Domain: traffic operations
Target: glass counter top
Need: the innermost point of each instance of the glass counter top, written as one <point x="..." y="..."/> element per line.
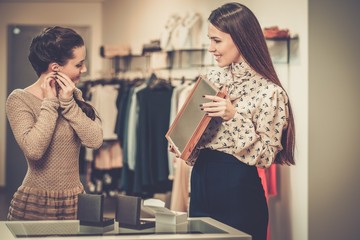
<point x="73" y="228"/>
<point x="194" y="228"/>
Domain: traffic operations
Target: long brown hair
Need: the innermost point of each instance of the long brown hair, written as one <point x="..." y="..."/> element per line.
<point x="56" y="44"/>
<point x="244" y="28"/>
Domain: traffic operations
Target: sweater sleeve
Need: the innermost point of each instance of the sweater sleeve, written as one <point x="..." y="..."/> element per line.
<point x="257" y="136"/>
<point x="32" y="134"/>
<point x="89" y="132"/>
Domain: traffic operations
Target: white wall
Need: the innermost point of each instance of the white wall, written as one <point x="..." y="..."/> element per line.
<point x="138" y="21"/>
<point x="334" y="117"/>
<point x="75" y="14"/>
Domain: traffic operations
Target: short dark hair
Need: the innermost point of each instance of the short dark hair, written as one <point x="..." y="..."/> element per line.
<point x="56" y="44"/>
<point x="53" y="44"/>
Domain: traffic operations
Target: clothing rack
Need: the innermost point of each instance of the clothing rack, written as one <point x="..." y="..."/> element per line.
<point x="103" y="81"/>
<point x="183" y="79"/>
<point x="124" y="178"/>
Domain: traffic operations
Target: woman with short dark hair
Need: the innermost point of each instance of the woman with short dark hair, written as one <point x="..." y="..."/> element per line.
<point x="50" y="121"/>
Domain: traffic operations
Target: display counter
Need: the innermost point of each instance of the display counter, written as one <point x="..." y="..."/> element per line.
<point x="194" y="228"/>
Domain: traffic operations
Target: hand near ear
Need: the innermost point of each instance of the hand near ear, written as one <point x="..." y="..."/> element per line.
<point x="48" y="86"/>
<point x="67" y="86"/>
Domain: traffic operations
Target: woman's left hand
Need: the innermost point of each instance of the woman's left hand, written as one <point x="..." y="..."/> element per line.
<point x="219" y="107"/>
<point x="67" y="86"/>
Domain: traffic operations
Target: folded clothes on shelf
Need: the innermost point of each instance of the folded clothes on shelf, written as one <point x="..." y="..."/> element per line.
<point x="115" y="50"/>
<point x="275" y="32"/>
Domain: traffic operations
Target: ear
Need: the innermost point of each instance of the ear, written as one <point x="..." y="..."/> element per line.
<point x="55" y="67"/>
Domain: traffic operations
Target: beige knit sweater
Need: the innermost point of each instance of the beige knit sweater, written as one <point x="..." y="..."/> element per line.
<point x="50" y="133"/>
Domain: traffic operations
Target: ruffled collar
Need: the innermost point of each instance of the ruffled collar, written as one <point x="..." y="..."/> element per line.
<point x="239" y="73"/>
<point x="241" y="70"/>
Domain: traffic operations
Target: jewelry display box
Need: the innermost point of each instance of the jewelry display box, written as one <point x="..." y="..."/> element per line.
<point x="191" y="122"/>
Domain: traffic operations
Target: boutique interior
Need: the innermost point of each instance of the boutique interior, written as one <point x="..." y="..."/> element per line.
<point x="164" y="43"/>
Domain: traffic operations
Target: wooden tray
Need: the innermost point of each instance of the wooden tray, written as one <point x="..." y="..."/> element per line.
<point x="191" y="122"/>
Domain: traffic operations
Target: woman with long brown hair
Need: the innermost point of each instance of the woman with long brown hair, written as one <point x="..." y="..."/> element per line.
<point x="253" y="127"/>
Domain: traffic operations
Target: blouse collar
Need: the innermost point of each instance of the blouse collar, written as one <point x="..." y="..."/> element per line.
<point x="241" y="69"/>
<point x="240" y="72"/>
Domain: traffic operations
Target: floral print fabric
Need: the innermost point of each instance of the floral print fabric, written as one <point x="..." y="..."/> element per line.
<point x="253" y="135"/>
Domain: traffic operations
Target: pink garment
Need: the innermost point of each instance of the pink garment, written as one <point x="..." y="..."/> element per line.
<point x="180" y="191"/>
<point x="181" y="183"/>
<point x="109" y="156"/>
<point x="268" y="180"/>
<point x="102" y="160"/>
<point x="116" y="155"/>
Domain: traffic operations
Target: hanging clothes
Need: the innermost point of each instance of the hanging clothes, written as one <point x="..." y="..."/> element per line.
<point x="107" y="166"/>
<point x="121" y="104"/>
<point x="269" y="182"/>
<point x="132" y="127"/>
<point x="106" y="95"/>
<point x="129" y="139"/>
<point x="181" y="184"/>
<point x="151" y="166"/>
<point x="268" y="179"/>
<point x="174" y="109"/>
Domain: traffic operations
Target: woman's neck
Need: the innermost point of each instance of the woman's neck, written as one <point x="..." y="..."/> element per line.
<point x="35" y="88"/>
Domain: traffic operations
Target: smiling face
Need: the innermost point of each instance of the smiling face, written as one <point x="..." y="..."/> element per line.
<point x="223" y="47"/>
<point x="75" y="66"/>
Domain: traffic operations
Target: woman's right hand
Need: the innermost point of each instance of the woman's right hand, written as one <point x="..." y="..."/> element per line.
<point x="48" y="86"/>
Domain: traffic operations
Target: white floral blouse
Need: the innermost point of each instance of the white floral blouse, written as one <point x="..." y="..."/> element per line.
<point x="253" y="135"/>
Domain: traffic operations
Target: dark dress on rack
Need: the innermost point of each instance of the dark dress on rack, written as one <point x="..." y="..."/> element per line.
<point x="151" y="167"/>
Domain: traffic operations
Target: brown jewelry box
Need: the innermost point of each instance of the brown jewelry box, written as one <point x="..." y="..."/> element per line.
<point x="191" y="122"/>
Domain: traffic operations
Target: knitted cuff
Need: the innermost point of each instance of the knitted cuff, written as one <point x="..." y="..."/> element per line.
<point x="65" y="102"/>
<point x="49" y="103"/>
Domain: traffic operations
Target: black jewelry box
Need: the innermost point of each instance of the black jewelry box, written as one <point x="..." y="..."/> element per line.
<point x="90" y="211"/>
<point x="128" y="211"/>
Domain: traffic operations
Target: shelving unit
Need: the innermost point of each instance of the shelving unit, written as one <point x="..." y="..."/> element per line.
<point x="124" y="63"/>
<point x="288" y="41"/>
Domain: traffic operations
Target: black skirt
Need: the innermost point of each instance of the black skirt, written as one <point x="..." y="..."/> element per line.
<point x="224" y="188"/>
